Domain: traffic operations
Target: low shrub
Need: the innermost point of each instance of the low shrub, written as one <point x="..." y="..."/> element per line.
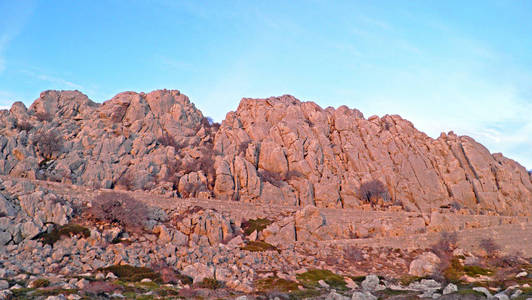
<point x="275" y="284"/>
<point x="259" y="246"/>
<point x="63" y="231"/>
<point x="41" y="282"/>
<point x="258" y="224"/>
<point x="313" y="276"/>
<point x="114" y="207"/>
<point x="210" y="283"/>
<point x="490" y="247"/>
<point x="373" y="191"/>
<point x="132" y="273"/>
<point x="48" y="143"/>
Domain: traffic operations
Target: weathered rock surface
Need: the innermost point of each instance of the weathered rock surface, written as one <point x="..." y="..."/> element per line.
<point x="133" y="141"/>
<point x="424" y="265"/>
<point x="274" y="151"/>
<point x="303" y="154"/>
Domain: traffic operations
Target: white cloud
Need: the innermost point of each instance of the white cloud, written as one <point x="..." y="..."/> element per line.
<point x="60" y="82"/>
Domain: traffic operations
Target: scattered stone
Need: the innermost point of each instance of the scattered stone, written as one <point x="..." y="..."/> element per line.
<point x="4" y="285"/>
<point x="323" y="284"/>
<point x="516" y="294"/>
<point x="372" y="283"/>
<point x="483" y="290"/>
<point x="450" y="288"/>
<point x="363" y="296"/>
<point x="333" y="295"/>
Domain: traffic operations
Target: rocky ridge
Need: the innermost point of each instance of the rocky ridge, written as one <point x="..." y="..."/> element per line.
<point x="273" y="151"/>
<point x="323" y="156"/>
<point x="283" y="200"/>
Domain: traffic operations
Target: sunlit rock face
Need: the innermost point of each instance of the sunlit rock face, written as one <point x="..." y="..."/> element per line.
<point x="273" y="151"/>
<point x="323" y="156"/>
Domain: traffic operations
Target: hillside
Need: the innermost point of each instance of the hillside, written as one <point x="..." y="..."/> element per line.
<point x="273" y="151"/>
<point x="142" y="197"/>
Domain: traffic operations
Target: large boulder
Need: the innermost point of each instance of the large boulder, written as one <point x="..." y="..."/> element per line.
<point x="425" y="264"/>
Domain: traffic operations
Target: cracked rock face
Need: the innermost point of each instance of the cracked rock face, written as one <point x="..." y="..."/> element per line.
<point x="322" y="157"/>
<point x="133" y="141"/>
<point x="271" y="151"/>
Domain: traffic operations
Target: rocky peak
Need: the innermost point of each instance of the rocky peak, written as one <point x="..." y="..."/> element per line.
<point x="61" y="104"/>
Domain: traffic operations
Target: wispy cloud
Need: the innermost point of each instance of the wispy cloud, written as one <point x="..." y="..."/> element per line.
<point x="13" y="17"/>
<point x="60" y="82"/>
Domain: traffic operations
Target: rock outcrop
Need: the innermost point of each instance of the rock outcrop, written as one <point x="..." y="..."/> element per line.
<point x="282" y="150"/>
<point x="133" y="141"/>
<point x="273" y="151"/>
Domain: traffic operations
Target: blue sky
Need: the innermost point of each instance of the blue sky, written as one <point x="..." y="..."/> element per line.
<point x="444" y="65"/>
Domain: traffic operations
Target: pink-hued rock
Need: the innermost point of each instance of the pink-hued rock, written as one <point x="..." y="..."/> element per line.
<point x="322" y="156"/>
<point x="272" y="151"/>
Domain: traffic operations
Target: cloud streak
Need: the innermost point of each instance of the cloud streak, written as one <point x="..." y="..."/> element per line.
<point x="53" y="79"/>
<point x="14" y="16"/>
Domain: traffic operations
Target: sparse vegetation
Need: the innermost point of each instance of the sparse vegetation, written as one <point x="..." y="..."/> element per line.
<point x="132" y="273"/>
<point x="374" y="192"/>
<point x="258" y="224"/>
<point x="63" y="231"/>
<point x="48" y="143"/>
<point x="275" y="284"/>
<point x="490" y="247"/>
<point x="311" y="278"/>
<point x="258" y="246"/>
<point x="449" y="267"/>
<point x="476" y="271"/>
<point x="41" y="282"/>
<point x="114" y="207"/>
<point x="210" y="283"/>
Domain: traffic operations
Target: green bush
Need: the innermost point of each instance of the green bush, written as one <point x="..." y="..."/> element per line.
<point x="255" y="224"/>
<point x="132" y="273"/>
<point x="312" y="276"/>
<point x="258" y="246"/>
<point x="275" y="284"/>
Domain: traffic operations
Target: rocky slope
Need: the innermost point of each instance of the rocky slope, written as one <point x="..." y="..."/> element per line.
<point x="133" y="141"/>
<point x="322" y="157"/>
<point x="272" y="151"/>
